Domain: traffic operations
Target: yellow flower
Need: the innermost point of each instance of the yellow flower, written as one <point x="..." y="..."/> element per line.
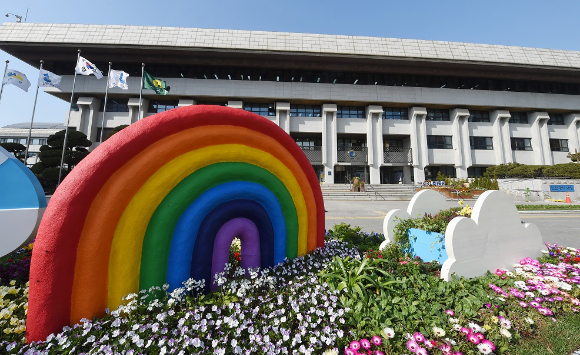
<point x="494" y="319"/>
<point x="12" y="282"/>
<point x="461" y="202"/>
<point x="20" y="329"/>
<point x="7" y="330"/>
<point x="487" y="327"/>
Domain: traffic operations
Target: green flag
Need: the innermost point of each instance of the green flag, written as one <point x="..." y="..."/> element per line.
<point x="159" y="86"/>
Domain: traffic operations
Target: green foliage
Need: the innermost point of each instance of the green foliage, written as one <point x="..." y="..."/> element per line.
<point x="516" y="170"/>
<point x="15" y="148"/>
<point x="47" y="169"/>
<point x="355" y="238"/>
<point x="437" y="223"/>
<point x="546" y="207"/>
<point x="440" y="177"/>
<point x="484" y="183"/>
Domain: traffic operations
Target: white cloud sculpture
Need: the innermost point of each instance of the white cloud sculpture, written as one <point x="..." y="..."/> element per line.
<point x="493" y="238"/>
<point x="424" y="201"/>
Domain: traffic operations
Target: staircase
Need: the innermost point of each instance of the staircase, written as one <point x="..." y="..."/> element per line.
<point x="393" y="192"/>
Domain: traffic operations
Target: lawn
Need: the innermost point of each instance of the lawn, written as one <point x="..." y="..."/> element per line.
<point x="345" y="298"/>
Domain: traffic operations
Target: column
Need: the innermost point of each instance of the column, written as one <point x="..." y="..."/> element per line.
<point x="185" y="102"/>
<point x="375" y="142"/>
<point x="501" y="136"/>
<point x="461" y="145"/>
<point x="571" y="121"/>
<point x="329" y="141"/>
<point x="89" y="107"/>
<point x="419" y="142"/>
<point x="236" y="104"/>
<point x="283" y="116"/>
<point x="134" y="113"/>
<point x="540" y="138"/>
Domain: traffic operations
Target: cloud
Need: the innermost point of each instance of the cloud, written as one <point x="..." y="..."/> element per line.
<point x="424" y="201"/>
<point x="492" y="238"/>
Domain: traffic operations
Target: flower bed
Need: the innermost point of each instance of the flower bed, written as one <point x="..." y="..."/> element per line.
<point x="337" y="299"/>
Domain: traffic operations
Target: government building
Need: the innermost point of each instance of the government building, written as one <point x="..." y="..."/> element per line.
<point x="385" y="109"/>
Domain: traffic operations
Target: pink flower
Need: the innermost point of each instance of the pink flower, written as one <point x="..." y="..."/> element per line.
<point x="412" y="345"/>
<point x="523" y="304"/>
<point x="488" y="343"/>
<point x="480" y="336"/>
<point x="365" y="343"/>
<point x="473" y="338"/>
<point x="445" y="348"/>
<point x="545" y="311"/>
<point x="421" y="351"/>
<point x="498" y="272"/>
<point x="376" y="340"/>
<point x="450" y="312"/>
<point x="379" y="353"/>
<point x="464" y="330"/>
<point x="419" y="338"/>
<point x="355" y="345"/>
<point x="348" y="351"/>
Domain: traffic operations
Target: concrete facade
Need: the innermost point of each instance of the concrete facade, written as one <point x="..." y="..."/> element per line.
<point x="378" y="149"/>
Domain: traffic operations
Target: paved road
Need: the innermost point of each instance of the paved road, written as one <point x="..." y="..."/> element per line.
<point x="557" y="227"/>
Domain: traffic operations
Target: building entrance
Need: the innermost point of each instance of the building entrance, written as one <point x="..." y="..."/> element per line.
<point x="343" y="174"/>
<point x="392" y="175"/>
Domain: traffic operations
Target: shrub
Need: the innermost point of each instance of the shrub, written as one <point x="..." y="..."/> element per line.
<point x="516" y="170"/>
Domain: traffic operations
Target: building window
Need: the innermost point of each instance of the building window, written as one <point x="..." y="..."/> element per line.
<point x="431" y="172"/>
<point x="478" y="116"/>
<point x="521" y="143"/>
<point x="212" y="103"/>
<point x="484" y="143"/>
<point x="161" y="106"/>
<point x="519" y="117"/>
<point x="349" y="143"/>
<point x="38" y="141"/>
<point x="13" y="140"/>
<point x="437" y="115"/>
<point x="115" y="105"/>
<point x="74" y="106"/>
<point x="308" y="143"/>
<point x="556" y="119"/>
<point x="395" y="113"/>
<point x="305" y="110"/>
<point x="350" y="112"/>
<point x="559" y="145"/>
<point x="439" y="142"/>
<point x="261" y="109"/>
<point x="476" y="171"/>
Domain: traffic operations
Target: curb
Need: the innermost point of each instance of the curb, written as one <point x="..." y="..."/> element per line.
<point x="550" y="212"/>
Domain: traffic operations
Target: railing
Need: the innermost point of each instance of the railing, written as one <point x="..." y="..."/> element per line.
<point x="314" y="154"/>
<point x="397" y="155"/>
<point x="353" y="155"/>
<point x="377" y="194"/>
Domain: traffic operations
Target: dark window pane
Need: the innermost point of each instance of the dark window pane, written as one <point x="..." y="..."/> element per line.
<point x="556" y="119"/>
<point x="439" y="142"/>
<point x="350" y="112"/>
<point x="559" y="145"/>
<point x="305" y="110"/>
<point x="483" y="143"/>
<point x="478" y="116"/>
<point x="521" y="144"/>
<point x="519" y="117"/>
<point x="395" y="113"/>
<point x="261" y="109"/>
<point x="437" y="115"/>
<point x="161" y="106"/>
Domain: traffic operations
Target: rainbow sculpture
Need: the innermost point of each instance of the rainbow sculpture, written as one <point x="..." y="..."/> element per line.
<point x="159" y="203"/>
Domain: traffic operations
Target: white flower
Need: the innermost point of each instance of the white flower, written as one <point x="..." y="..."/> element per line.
<point x="505" y="333"/>
<point x="438" y="331"/>
<point x="331" y="352"/>
<point x="388" y="333"/>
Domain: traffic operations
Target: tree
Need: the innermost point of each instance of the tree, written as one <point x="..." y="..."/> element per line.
<point x="15" y="148"/>
<point x="47" y="169"/>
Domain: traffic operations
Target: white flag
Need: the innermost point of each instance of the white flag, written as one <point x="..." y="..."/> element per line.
<point x="49" y="79"/>
<point x="17" y="78"/>
<point x="118" y="78"/>
<point x="84" y="67"/>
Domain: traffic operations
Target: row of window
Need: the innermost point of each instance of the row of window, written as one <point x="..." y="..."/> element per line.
<point x="486" y="143"/>
<point x="450" y="171"/>
<point x="33" y="141"/>
<point x="389" y="113"/>
<point x="330" y="77"/>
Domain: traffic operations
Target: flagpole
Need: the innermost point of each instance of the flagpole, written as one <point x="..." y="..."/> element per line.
<point x="33" y="111"/>
<point x="140" y="89"/>
<point x="72" y="95"/>
<point x="4" y="76"/>
<point x="105" y="106"/>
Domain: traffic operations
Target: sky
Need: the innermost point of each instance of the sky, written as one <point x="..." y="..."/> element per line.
<point x="528" y="23"/>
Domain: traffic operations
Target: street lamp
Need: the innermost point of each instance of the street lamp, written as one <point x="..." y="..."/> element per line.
<point x="18" y="17"/>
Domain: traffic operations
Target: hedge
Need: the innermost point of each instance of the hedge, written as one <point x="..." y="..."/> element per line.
<point x="517" y="170"/>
